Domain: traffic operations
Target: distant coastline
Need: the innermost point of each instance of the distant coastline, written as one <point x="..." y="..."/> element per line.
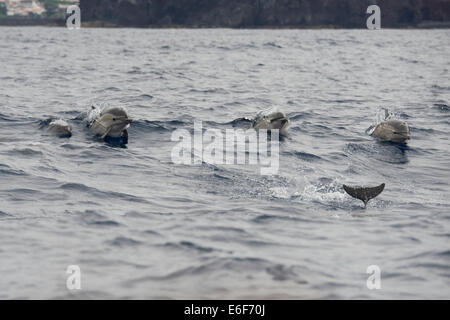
<point x="242" y="14"/>
<point x="19" y="21"/>
<point x="49" y="22"/>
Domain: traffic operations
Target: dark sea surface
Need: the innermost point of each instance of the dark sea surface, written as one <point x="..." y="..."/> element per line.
<point x="140" y="226"/>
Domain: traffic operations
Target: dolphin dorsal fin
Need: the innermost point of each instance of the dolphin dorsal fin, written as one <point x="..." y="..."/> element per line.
<point x="364" y="194"/>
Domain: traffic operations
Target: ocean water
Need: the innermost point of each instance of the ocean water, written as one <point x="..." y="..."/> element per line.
<point x="141" y="227"/>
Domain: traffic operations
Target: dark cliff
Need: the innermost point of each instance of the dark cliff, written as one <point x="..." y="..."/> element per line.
<point x="263" y="13"/>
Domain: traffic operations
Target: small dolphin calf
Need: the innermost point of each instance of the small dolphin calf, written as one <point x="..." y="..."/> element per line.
<point x="58" y="127"/>
<point x="110" y="122"/>
<point x="364" y="194"/>
<point x="393" y="130"/>
<point x="272" y="121"/>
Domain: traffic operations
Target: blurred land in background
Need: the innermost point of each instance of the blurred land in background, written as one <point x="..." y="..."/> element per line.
<point x="230" y="13"/>
<point x="34" y="12"/>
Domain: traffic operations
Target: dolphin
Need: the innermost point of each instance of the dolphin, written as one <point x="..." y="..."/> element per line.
<point x="57" y="127"/>
<point x="393" y="131"/>
<point x="272" y="121"/>
<point x="111" y="122"/>
<point x="364" y="194"/>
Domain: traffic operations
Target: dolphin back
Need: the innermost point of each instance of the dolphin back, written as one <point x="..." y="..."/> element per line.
<point x="364" y="194"/>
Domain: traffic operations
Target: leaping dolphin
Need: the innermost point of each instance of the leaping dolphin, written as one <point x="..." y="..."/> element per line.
<point x="364" y="194"/>
<point x="392" y="130"/>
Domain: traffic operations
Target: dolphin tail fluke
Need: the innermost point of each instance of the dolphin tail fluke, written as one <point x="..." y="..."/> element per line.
<point x="364" y="194"/>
